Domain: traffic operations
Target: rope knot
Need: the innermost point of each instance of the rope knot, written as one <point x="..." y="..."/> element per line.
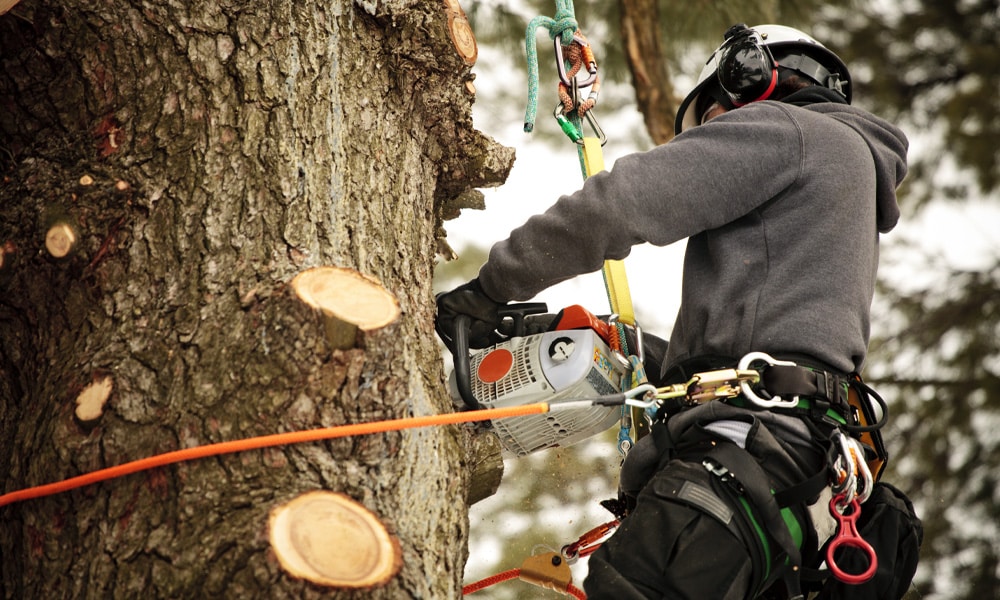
<point x="565" y="31"/>
<point x="564" y="28"/>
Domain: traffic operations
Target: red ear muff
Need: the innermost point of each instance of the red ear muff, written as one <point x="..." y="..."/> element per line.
<point x="747" y="71"/>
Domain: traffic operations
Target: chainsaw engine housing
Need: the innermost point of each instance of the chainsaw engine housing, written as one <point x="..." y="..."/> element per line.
<point x="547" y="367"/>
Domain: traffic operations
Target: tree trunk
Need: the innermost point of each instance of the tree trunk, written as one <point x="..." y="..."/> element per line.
<point x="654" y="93"/>
<point x="201" y="155"/>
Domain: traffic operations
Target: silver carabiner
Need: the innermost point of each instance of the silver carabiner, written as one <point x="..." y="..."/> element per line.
<point x="561" y="63"/>
<point x="860" y="481"/>
<point x="846" y="469"/>
<point x="774" y="402"/>
<point x="639" y="342"/>
<point x="868" y="481"/>
<point x="613" y="324"/>
<point x="647" y="391"/>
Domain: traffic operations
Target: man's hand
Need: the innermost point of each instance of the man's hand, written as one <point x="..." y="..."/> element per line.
<point x="470" y="300"/>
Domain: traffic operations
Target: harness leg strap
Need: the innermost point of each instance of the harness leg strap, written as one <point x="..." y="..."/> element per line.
<point x="756" y="485"/>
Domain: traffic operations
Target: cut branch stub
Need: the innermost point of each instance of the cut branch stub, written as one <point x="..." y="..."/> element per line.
<point x="461" y="32"/>
<point x="60" y="239"/>
<point x="485" y="460"/>
<point x="329" y="539"/>
<point x="349" y="301"/>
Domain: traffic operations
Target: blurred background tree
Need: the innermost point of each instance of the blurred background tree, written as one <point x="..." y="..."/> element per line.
<point x="933" y="67"/>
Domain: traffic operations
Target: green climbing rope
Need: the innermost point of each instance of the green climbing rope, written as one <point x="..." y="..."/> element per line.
<point x="562" y="25"/>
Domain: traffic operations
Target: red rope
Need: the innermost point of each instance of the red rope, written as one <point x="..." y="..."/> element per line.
<point x="491" y="580"/>
<point x="472" y="588"/>
<point x="277" y="439"/>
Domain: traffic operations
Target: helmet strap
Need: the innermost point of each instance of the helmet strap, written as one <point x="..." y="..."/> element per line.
<point x="809" y="67"/>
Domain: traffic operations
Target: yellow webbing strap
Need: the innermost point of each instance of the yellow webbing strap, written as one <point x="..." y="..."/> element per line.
<point x="616" y="283"/>
<point x="614" y="270"/>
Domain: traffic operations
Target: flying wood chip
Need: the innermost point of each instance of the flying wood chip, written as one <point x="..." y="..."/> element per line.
<point x="329" y="539"/>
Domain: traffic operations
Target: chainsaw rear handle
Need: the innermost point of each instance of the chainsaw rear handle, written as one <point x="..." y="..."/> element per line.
<point x="460" y="344"/>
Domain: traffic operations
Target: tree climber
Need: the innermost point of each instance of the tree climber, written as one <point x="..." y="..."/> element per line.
<point x="782" y="189"/>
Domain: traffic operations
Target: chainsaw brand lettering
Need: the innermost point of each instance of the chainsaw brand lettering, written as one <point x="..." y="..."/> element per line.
<point x="602" y="362"/>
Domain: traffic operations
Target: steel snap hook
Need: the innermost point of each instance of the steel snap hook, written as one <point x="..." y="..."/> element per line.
<point x="596" y="127"/>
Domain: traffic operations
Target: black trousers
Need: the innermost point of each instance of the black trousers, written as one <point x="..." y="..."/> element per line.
<point x="679" y="542"/>
<point x="703" y="533"/>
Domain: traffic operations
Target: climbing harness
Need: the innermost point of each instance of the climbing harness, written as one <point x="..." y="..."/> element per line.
<point x="760" y="380"/>
<point x="779" y="385"/>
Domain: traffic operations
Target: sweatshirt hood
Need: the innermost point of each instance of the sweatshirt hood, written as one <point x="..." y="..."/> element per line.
<point x="888" y="145"/>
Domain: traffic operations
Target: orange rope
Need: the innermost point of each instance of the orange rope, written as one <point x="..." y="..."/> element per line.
<point x="277" y="439"/>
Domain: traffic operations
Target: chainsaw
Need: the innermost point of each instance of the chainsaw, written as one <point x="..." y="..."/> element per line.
<point x="572" y="360"/>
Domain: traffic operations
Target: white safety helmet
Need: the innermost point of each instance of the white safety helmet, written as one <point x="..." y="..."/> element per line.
<point x="744" y="68"/>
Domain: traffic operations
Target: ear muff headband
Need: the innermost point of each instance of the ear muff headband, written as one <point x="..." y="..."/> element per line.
<point x="747" y="71"/>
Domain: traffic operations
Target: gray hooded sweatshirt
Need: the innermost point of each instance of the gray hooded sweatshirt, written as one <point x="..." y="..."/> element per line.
<point x="782" y="206"/>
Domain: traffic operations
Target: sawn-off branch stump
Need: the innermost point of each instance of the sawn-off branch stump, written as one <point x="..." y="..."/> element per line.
<point x="329" y="539"/>
<point x="461" y="32"/>
<point x="348" y="300"/>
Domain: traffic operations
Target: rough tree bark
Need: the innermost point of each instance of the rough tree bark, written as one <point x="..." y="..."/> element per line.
<point x="654" y="93"/>
<point x="205" y="153"/>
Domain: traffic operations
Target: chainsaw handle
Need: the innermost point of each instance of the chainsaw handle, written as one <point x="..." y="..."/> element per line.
<point x="460" y="356"/>
<point x="460" y="344"/>
<point x="517" y="313"/>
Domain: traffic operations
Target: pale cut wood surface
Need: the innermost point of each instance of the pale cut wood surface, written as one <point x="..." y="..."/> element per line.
<point x="347" y="295"/>
<point x="329" y="539"/>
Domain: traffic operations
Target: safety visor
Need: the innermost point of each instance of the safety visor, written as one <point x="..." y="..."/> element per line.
<point x="712" y="94"/>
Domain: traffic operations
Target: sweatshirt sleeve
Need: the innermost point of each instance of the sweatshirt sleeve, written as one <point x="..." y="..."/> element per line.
<point x="703" y="179"/>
